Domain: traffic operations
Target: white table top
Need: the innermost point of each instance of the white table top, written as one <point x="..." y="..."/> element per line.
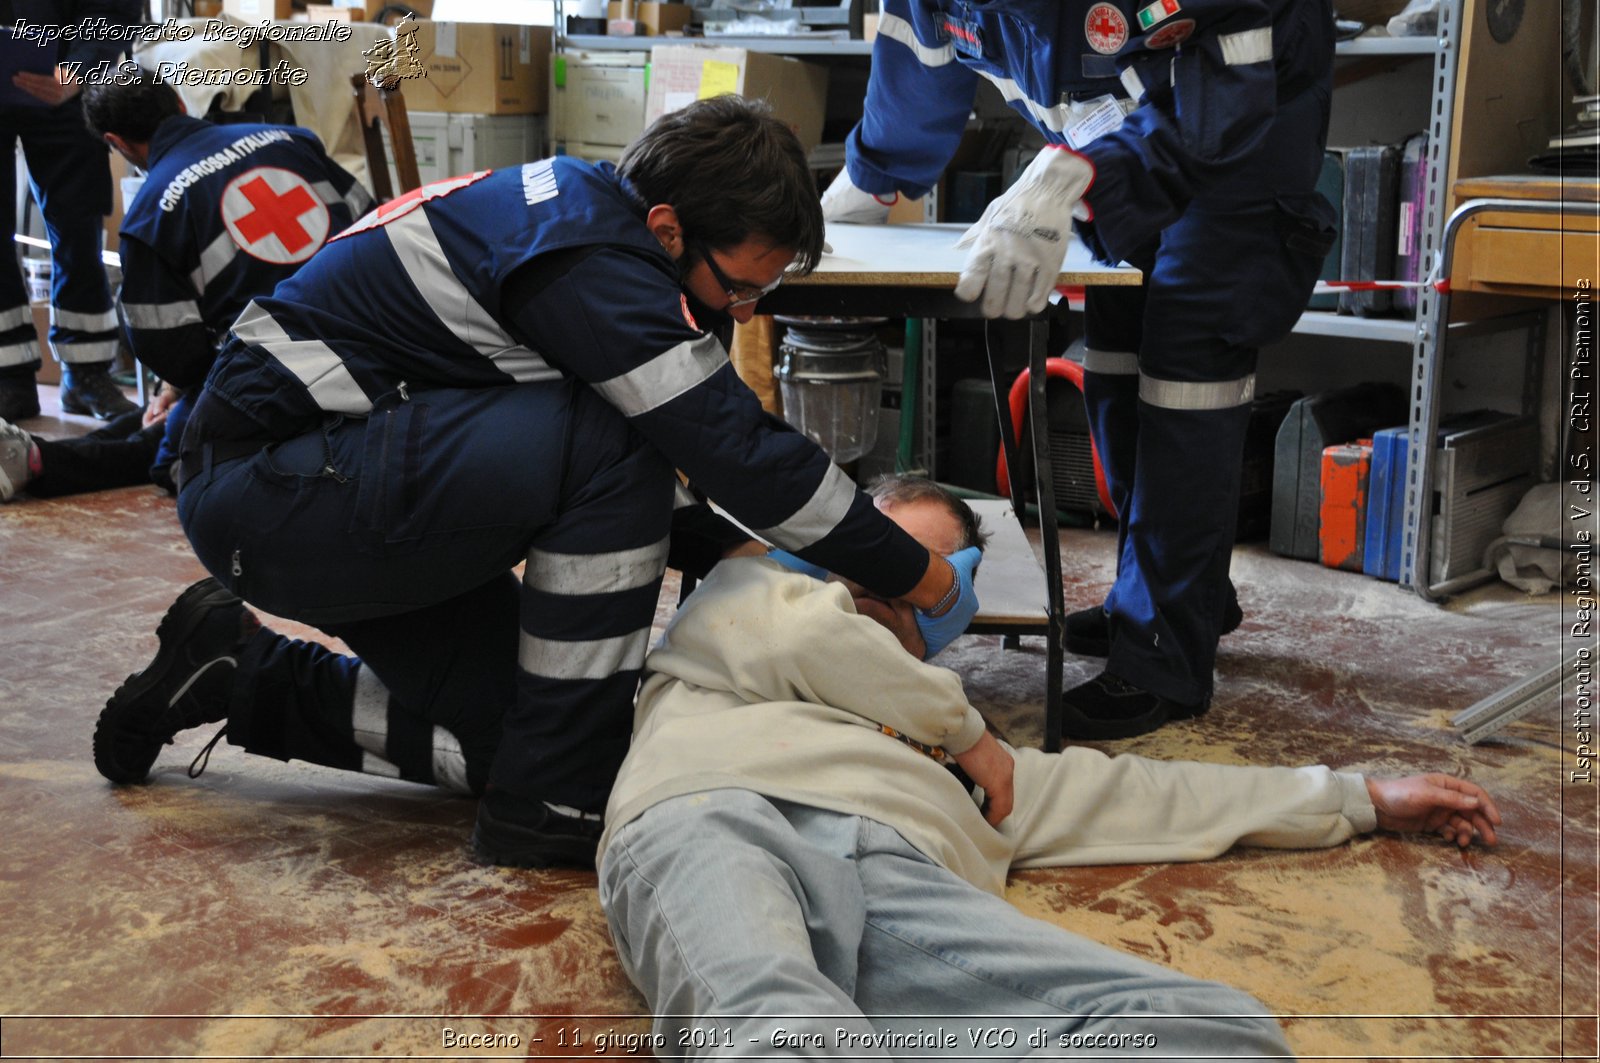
<point x="926" y="256"/>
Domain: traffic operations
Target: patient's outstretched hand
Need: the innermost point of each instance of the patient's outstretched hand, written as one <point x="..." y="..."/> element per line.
<point x="1454" y="809"/>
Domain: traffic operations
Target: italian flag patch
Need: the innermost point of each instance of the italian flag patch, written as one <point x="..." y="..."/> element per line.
<point x="1149" y="16"/>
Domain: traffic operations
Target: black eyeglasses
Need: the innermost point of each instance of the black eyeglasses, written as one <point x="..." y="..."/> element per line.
<point x="738" y="294"/>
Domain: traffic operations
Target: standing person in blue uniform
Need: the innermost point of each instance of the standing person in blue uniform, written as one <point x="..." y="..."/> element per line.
<point x="500" y="368"/>
<point x="1185" y="136"/>
<point x="225" y="213"/>
<point x="71" y="180"/>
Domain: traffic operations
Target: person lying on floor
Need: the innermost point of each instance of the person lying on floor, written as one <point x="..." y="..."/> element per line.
<point x="789" y="866"/>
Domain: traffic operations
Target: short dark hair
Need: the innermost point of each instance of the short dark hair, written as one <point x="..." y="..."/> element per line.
<point x="731" y="171"/>
<point x="900" y="488"/>
<point x="129" y="105"/>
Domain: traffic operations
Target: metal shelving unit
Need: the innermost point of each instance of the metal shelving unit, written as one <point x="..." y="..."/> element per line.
<point x="1424" y="341"/>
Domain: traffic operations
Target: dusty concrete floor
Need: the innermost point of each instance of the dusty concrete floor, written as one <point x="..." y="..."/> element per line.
<point x="268" y="910"/>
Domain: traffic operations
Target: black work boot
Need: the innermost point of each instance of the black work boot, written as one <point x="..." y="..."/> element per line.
<point x="19" y="398"/>
<point x="1108" y="707"/>
<point x="90" y="390"/>
<point x="522" y="832"/>
<point x="1089" y="630"/>
<point x="187" y="683"/>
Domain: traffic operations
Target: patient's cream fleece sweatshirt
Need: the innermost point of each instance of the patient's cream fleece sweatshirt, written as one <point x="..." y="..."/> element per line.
<point x="770" y="681"/>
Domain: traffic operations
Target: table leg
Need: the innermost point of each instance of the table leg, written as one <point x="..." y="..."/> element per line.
<point x="1049" y="532"/>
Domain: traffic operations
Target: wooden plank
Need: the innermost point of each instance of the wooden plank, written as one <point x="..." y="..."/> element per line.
<point x="1010" y="583"/>
<point x="1529" y="186"/>
<point x="926" y="256"/>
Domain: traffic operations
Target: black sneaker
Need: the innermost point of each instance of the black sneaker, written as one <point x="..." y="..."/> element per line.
<point x="92" y="391"/>
<point x="19" y="399"/>
<point x="1107" y="707"/>
<point x="511" y="833"/>
<point x="1089" y="630"/>
<point x="185" y="685"/>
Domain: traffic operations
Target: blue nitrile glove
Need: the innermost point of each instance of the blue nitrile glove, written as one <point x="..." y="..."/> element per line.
<point x="939" y="631"/>
<point x="796" y="564"/>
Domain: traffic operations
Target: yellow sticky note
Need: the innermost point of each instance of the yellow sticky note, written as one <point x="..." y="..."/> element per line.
<point x="717" y="78"/>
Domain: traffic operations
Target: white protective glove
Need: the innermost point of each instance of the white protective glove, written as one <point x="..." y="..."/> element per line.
<point x="1021" y="240"/>
<point x="843" y="201"/>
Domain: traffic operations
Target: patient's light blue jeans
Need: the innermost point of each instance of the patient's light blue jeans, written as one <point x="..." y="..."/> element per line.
<point x="757" y="927"/>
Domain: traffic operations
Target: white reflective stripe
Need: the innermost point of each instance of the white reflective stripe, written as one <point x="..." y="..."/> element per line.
<point x="1110" y="363"/>
<point x="819" y="516"/>
<point x="1197" y="395"/>
<point x="162" y="315"/>
<point x="1055" y="119"/>
<point x="97" y="321"/>
<point x="591" y="659"/>
<point x="664" y="377"/>
<point x="1248" y="46"/>
<point x="19" y="353"/>
<point x="449" y="763"/>
<point x="523" y="365"/>
<point x="424" y="261"/>
<point x="372" y="764"/>
<point x="76" y="353"/>
<point x="356" y="199"/>
<point x="15" y="318"/>
<point x="213" y="260"/>
<point x="619" y="570"/>
<point x="1132" y="83"/>
<point x="313" y="362"/>
<point x="369" y="713"/>
<point x="898" y="29"/>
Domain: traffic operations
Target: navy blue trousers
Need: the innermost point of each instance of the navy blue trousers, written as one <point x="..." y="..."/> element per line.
<point x="1168" y="384"/>
<point x="70" y="174"/>
<point x="398" y="534"/>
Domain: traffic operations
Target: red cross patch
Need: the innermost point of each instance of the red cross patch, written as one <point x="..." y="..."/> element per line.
<point x="273" y="215"/>
<point x="1105" y="28"/>
<point x="1168" y="36"/>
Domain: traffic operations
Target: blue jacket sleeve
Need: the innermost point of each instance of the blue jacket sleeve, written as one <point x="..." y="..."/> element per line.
<point x="161" y="307"/>
<point x="617" y="321"/>
<point x="918" y="99"/>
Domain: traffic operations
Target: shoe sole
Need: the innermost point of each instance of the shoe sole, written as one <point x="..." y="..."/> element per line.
<point x="533" y="849"/>
<point x="180" y="621"/>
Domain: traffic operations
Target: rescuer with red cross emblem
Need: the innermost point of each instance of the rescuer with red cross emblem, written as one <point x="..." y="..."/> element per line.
<point x="224" y="214"/>
<point x="1184" y="137"/>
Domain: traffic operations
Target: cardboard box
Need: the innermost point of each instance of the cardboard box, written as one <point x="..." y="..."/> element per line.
<point x="655" y="18"/>
<point x="596" y="98"/>
<point x="481" y="68"/>
<point x="256" y="10"/>
<point x="332" y="13"/>
<point x="448" y="145"/>
<point x="683" y="73"/>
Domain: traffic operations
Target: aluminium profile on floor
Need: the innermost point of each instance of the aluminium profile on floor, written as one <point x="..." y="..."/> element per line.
<point x="1506" y="706"/>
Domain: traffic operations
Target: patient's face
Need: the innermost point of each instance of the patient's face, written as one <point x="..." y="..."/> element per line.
<point x="933" y="526"/>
